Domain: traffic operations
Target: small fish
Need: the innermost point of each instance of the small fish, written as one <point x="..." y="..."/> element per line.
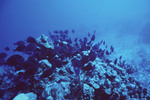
<point x="96" y="47"/>
<point x="124" y="62"/>
<point x="112" y="49"/>
<point x="30" y="47"/>
<point x="115" y="61"/>
<point x="80" y="40"/>
<point x="7" y="49"/>
<point x="106" y="46"/>
<point x="69" y="40"/>
<point x="85" y="40"/>
<point x="61" y="32"/>
<point x="94" y="31"/>
<point x="108" y="61"/>
<point x="73" y="31"/>
<point x="19" y="43"/>
<point x="56" y="32"/>
<point x="93" y="37"/>
<point x="92" y="56"/>
<point x="100" y="50"/>
<point x="3" y="55"/>
<point x="66" y="31"/>
<point x="89" y="34"/>
<point x="107" y="53"/>
<point x="120" y="57"/>
<point x="30" y="39"/>
<point x="101" y="53"/>
<point x="15" y="60"/>
<point x="20" y="48"/>
<point x="31" y="70"/>
<point x="103" y="42"/>
<point x="75" y="40"/>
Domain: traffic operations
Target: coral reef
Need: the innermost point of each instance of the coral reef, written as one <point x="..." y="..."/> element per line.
<point x="67" y="69"/>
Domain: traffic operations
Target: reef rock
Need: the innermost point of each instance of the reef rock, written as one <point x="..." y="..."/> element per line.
<point x="27" y="96"/>
<point x="66" y="70"/>
<point x="43" y="40"/>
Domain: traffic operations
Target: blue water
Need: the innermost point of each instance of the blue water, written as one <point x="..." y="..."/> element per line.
<point x="125" y="24"/>
<point x="111" y="19"/>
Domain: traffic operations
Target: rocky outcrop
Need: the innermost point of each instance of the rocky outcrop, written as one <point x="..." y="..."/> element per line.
<point x="27" y="96"/>
<point x="66" y="69"/>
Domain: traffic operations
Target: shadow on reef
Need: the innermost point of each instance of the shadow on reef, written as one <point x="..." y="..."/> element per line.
<point x="63" y="68"/>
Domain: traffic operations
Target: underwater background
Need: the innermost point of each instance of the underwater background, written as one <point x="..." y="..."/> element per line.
<point x="123" y="24"/>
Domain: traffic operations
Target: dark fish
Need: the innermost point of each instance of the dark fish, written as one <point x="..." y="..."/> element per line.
<point x="30" y="47"/>
<point x="30" y="39"/>
<point x="54" y="37"/>
<point x="120" y="57"/>
<point x="30" y="62"/>
<point x="31" y="70"/>
<point x="20" y="48"/>
<point x="2" y="61"/>
<point x="75" y="40"/>
<point x="106" y="46"/>
<point x="103" y="42"/>
<point x="100" y="53"/>
<point x="96" y="47"/>
<point x="56" y="32"/>
<point x="56" y="62"/>
<point x="61" y="32"/>
<point x="94" y="31"/>
<point x="100" y="50"/>
<point x="15" y="60"/>
<point x="85" y="40"/>
<point x="69" y="41"/>
<point x="115" y="61"/>
<point x="112" y="49"/>
<point x="61" y="72"/>
<point x="107" y="53"/>
<point x="80" y="40"/>
<point x="66" y="31"/>
<point x="89" y="34"/>
<point x="47" y="73"/>
<point x="93" y="37"/>
<point x="3" y="55"/>
<point x="108" y="61"/>
<point x="124" y="61"/>
<point x="92" y="56"/>
<point x="85" y="59"/>
<point x="77" y="63"/>
<point x="19" y="43"/>
<point x="7" y="49"/>
<point x="73" y="31"/>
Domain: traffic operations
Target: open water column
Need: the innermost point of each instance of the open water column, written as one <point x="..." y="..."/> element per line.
<point x="74" y="50"/>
